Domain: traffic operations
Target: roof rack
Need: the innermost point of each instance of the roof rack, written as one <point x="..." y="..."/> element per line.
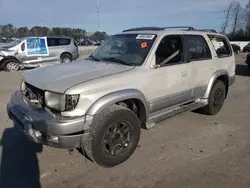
<point x="187" y="28"/>
<point x="180" y="27"/>
<point x="208" y="30"/>
<point x="144" y="28"/>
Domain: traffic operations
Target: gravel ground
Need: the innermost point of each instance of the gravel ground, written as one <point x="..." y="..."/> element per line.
<point x="189" y="151"/>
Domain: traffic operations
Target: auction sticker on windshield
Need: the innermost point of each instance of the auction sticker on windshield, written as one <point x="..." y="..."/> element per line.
<point x="145" y="37"/>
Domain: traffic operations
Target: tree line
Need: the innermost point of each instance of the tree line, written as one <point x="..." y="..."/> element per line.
<point x="236" y="23"/>
<point x="9" y="31"/>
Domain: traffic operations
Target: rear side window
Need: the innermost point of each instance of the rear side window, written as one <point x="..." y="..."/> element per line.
<point x="222" y="46"/>
<point x="58" y="41"/>
<point x="63" y="41"/>
<point x="52" y="42"/>
<point x="197" y="48"/>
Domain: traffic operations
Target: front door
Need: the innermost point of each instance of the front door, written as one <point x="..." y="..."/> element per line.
<point x="35" y="49"/>
<point x="171" y="80"/>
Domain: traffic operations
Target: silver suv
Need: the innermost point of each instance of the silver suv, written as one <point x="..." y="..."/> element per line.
<point x="135" y="79"/>
<point x="37" y="51"/>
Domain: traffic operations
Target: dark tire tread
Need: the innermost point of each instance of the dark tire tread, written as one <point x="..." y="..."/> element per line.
<point x="210" y="109"/>
<point x="101" y="116"/>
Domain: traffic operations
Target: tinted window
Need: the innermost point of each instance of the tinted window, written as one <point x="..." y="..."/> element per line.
<point x="169" y="51"/>
<point x="52" y="42"/>
<point x="58" y="41"/>
<point x="197" y="48"/>
<point x="63" y="41"/>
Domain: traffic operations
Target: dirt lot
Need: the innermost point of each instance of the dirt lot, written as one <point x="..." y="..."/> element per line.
<point x="190" y="151"/>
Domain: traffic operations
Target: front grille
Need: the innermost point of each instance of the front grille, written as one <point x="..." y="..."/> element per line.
<point x="34" y="93"/>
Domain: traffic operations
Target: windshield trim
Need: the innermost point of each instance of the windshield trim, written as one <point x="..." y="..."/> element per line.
<point x="144" y="60"/>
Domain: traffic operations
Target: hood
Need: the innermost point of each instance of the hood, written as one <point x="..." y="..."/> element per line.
<point x="7" y="51"/>
<point x="59" y="78"/>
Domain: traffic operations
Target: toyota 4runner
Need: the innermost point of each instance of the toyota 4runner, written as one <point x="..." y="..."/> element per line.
<point x="135" y="79"/>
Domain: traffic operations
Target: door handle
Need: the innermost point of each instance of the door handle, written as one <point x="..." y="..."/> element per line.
<point x="183" y="74"/>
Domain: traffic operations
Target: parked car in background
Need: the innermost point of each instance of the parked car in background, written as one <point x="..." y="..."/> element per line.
<point x="35" y="51"/>
<point x="246" y="48"/>
<point x="222" y="49"/>
<point x="87" y="42"/>
<point x="236" y="48"/>
<point x="97" y="43"/>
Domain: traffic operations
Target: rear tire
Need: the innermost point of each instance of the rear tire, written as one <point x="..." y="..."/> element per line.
<point x="113" y="136"/>
<point x="66" y="58"/>
<point x="10" y="65"/>
<point x="216" y="99"/>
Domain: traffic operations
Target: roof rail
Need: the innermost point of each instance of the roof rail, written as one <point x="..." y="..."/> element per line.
<point x="144" y="28"/>
<point x="180" y="27"/>
<point x="187" y="28"/>
<point x="208" y="30"/>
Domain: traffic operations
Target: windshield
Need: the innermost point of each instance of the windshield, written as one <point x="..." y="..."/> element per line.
<point x="128" y="49"/>
<point x="12" y="44"/>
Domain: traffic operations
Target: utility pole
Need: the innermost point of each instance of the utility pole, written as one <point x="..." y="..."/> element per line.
<point x="98" y="14"/>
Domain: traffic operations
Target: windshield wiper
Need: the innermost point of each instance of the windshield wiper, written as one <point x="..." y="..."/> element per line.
<point x="93" y="58"/>
<point x="113" y="59"/>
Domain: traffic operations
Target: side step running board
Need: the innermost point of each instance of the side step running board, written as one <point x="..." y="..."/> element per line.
<point x="169" y="113"/>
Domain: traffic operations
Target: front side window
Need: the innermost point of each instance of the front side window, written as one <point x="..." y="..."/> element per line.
<point x="129" y="49"/>
<point x="197" y="48"/>
<point x="170" y="51"/>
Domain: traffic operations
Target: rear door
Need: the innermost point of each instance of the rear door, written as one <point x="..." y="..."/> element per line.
<point x="203" y="65"/>
<point x="53" y="45"/>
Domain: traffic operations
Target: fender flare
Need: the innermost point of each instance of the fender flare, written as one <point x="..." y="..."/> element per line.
<point x="215" y="75"/>
<point x="117" y="96"/>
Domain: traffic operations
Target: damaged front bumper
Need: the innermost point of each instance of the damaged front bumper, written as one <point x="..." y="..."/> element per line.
<point x="40" y="126"/>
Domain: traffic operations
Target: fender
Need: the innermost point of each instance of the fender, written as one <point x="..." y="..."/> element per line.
<point x="9" y="57"/>
<point x="215" y="75"/>
<point x="117" y="96"/>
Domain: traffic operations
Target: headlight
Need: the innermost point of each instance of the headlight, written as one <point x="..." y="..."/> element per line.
<point x="22" y="86"/>
<point x="1" y="54"/>
<point x="60" y="102"/>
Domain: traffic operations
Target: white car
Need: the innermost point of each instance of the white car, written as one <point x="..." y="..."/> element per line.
<point x="101" y="103"/>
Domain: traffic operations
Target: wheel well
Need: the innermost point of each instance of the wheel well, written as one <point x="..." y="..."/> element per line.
<point x="67" y="54"/>
<point x="224" y="79"/>
<point x="136" y="106"/>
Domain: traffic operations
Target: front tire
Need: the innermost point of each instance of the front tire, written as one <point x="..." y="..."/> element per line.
<point x="216" y="99"/>
<point x="11" y="65"/>
<point x="113" y="136"/>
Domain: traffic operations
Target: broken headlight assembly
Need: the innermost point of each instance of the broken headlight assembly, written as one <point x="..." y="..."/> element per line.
<point x="60" y="102"/>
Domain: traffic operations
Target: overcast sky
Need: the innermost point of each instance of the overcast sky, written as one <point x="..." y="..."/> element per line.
<point x="115" y="15"/>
